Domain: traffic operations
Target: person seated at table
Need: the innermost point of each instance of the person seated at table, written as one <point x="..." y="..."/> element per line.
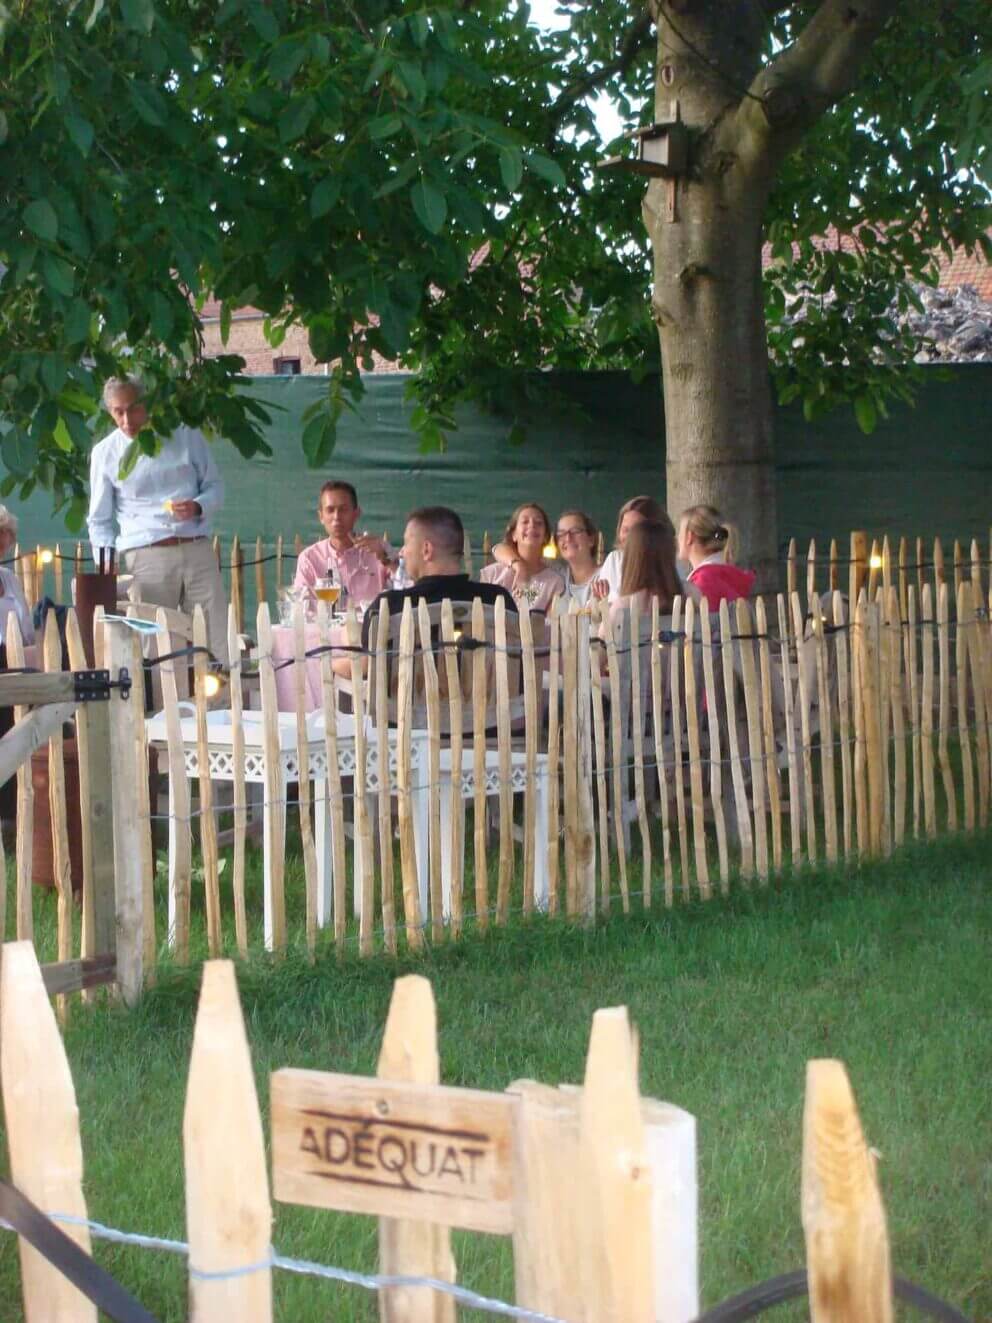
<point x="360" y="564"/>
<point x="706" y="541"/>
<point x="632" y="512"/>
<point x="527" y="575"/>
<point x="433" y="549"/>
<point x="649" y="569"/>
<point x="575" y="538"/>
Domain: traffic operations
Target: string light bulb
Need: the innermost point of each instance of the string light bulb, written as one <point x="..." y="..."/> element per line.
<point x="550" y="551"/>
<point x="45" y="556"/>
<point x="875" y="562"/>
<point x="212" y="685"/>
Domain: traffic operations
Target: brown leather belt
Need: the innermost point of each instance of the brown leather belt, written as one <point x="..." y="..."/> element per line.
<point x="172" y="542"/>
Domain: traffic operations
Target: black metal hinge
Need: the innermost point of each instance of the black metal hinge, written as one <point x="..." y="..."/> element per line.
<point x="95" y="686"/>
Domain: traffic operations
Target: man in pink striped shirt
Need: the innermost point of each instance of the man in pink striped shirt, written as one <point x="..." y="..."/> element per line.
<point x="361" y="565"/>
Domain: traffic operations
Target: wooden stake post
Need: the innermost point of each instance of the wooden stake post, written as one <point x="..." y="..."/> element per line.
<point x="125" y="712"/>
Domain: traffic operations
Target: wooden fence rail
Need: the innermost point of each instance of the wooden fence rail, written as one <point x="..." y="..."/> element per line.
<point x="424" y="1158"/>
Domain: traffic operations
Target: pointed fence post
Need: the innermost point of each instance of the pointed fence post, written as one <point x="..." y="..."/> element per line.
<point x="128" y="882"/>
<point x="37" y="1089"/>
<point x="417" y="1249"/>
<point x="228" y="1213"/>
<point x="847" y="1246"/>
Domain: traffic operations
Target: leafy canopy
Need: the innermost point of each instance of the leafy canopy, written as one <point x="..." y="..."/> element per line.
<point x="417" y="180"/>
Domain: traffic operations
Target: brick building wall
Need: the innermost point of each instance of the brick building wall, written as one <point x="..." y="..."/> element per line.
<point x="247" y="338"/>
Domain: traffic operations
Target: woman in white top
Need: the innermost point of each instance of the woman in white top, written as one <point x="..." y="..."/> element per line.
<point x="632" y="512"/>
<point x="575" y="538"/>
<point x="12" y="601"/>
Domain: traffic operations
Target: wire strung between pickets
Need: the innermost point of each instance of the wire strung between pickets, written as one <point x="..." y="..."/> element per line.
<point x="306" y="1268"/>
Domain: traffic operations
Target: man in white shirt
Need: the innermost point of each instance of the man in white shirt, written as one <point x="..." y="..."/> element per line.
<point x="162" y="511"/>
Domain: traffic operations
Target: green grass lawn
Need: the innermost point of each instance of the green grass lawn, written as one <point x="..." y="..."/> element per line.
<point x="886" y="967"/>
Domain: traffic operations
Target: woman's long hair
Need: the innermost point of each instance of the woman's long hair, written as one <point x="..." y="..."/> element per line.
<point x="642" y="505"/>
<point x="649" y="562"/>
<point x="510" y="532"/>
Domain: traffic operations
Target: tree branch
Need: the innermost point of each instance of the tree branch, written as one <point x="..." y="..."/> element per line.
<point x="635" y="39"/>
<point x="819" y="68"/>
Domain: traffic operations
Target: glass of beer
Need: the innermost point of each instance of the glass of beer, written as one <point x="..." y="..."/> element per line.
<point x="327" y="590"/>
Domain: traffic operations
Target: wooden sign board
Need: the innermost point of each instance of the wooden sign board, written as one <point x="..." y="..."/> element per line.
<point x="424" y="1152"/>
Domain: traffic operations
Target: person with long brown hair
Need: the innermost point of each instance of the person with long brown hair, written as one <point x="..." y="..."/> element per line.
<point x="632" y="513"/>
<point x="575" y="539"/>
<point x="649" y="568"/>
<point x="706" y="540"/>
<point x="528" y="576"/>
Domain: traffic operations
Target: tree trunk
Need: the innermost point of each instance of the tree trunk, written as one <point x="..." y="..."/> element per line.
<point x="707" y="300"/>
<point x="718" y="411"/>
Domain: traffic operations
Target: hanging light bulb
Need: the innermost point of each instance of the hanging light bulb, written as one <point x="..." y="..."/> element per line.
<point x="212" y="684"/>
<point x="45" y="556"/>
<point x="875" y="562"/>
<point x="550" y="551"/>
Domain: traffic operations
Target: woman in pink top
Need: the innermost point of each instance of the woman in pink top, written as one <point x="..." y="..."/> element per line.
<point x="706" y="541"/>
<point x="528" y="577"/>
<point x="361" y="567"/>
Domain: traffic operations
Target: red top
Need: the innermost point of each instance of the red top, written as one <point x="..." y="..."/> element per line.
<point x="722" y="583"/>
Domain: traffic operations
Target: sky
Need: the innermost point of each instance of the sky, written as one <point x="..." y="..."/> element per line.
<point x="544" y="14"/>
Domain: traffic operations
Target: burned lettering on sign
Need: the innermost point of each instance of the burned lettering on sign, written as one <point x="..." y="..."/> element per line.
<point x="399" y="1155"/>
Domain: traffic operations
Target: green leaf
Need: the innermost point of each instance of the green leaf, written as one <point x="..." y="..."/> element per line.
<point x="324" y="196"/>
<point x="294" y="119"/>
<point x="287" y="58"/>
<point x="61" y="436"/>
<point x="429" y="205"/>
<point x="866" y="414"/>
<point x="161" y="316"/>
<point x="511" y="167"/>
<point x="384" y="126"/>
<point x="40" y="218"/>
<point x="546" y="168"/>
<point x="402" y="176"/>
<point x="138" y="15"/>
<point x="76" y="514"/>
<point x="80" y="130"/>
<point x="319" y="437"/>
<point x="148" y="103"/>
<point x="225" y="322"/>
<point x="58" y="274"/>
<point x="413" y="80"/>
<point x="53" y="373"/>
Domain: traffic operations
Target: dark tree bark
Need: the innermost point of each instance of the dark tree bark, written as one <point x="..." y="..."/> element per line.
<point x="743" y="120"/>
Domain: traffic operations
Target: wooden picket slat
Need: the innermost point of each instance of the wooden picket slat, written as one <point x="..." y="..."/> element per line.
<point x="886" y="565"/>
<point x="47" y="1168"/>
<point x="239" y="792"/>
<point x="569" y="657"/>
<point x="455" y="844"/>
<point x="479" y="686"/>
<point x="364" y="876"/>
<point x="616" y="757"/>
<point x="785" y="635"/>
<point x="145" y="842"/>
<point x="833" y="579"/>
<point x="874" y="568"/>
<point x="237" y="583"/>
<point x="505" y="876"/>
<point x="755" y="733"/>
<point x="334" y="892"/>
<point x="913" y="679"/>
<point x="944" y="708"/>
<point x="412" y="910"/>
<point x="599" y="769"/>
<point x="964" y="616"/>
<point x="842" y="637"/>
<point x="695" y="752"/>
<point x="260" y="593"/>
<point x="858" y="567"/>
<point x="920" y="567"/>
<point x="791" y="568"/>
<point x="976" y="573"/>
<point x="959" y="567"/>
<point x="274" y="789"/>
<point x="847" y="1250"/>
<point x="903" y="578"/>
<point x="25" y="799"/>
<point x="974" y="630"/>
<point x="882" y="639"/>
<point x="125" y="713"/>
<point x="768" y="723"/>
<point x="827" y="774"/>
<point x="304" y="791"/>
<point x="380" y="678"/>
<point x="809" y="804"/>
<point x="678" y="713"/>
<point x="228" y="1213"/>
<point x="939" y="576"/>
<point x="530" y="752"/>
<point x="659" y="706"/>
<point x="87" y="825"/>
<point x="554" y="737"/>
<point x="180" y="837"/>
<point x="433" y="704"/>
<point x="897" y="708"/>
<point x="51" y="647"/>
<point x="870" y="679"/>
<point x="810" y="573"/>
<point x="926" y="713"/>
<point x="279" y="563"/>
<point x="637" y="741"/>
<point x="858" y="627"/>
<point x="741" y="805"/>
<point x="208" y="823"/>
<point x="716" y="746"/>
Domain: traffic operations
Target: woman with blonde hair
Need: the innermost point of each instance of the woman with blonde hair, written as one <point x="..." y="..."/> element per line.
<point x="706" y="541"/>
<point x="527" y="575"/>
